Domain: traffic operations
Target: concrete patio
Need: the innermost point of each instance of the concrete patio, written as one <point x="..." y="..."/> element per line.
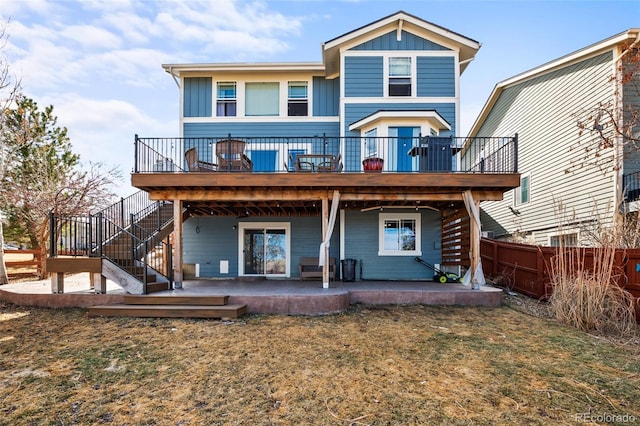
<point x="285" y="297"/>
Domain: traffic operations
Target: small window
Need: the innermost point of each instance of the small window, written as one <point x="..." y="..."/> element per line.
<point x="523" y="192"/>
<point x="564" y="240"/>
<point x="298" y="102"/>
<point x="226" y="100"/>
<point x="399" y="76"/>
<point x="261" y="99"/>
<point x="371" y="143"/>
<point x="399" y="234"/>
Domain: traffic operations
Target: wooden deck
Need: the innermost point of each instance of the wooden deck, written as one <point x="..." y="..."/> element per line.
<point x="171" y="306"/>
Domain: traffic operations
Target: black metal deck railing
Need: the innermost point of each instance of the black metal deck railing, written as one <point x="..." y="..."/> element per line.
<point x="322" y="153"/>
<point x="127" y="233"/>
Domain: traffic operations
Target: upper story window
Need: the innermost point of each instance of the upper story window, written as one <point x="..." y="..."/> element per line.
<point x="262" y="99"/>
<point x="399" y="76"/>
<point x="298" y="99"/>
<point x="226" y="99"/>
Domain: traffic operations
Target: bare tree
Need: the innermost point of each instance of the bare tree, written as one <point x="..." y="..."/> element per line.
<point x="614" y="123"/>
<point x="46" y="175"/>
<point x="9" y="88"/>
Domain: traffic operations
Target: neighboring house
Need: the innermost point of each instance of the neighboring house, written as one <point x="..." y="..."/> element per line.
<point x="576" y="170"/>
<point x="355" y="157"/>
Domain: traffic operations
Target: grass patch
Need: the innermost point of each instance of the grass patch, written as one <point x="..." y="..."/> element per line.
<point x="375" y="366"/>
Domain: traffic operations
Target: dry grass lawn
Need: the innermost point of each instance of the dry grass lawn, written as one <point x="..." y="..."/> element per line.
<point x="401" y="365"/>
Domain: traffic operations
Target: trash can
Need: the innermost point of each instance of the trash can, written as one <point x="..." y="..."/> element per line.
<point x="348" y="269"/>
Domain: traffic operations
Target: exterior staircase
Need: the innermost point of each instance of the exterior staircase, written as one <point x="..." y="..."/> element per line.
<point x="131" y="238"/>
<point x="172" y="307"/>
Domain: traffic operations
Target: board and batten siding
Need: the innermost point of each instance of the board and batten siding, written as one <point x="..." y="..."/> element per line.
<point x="542" y="110"/>
<point x="408" y="41"/>
<point x="363" y="76"/>
<point x="197" y="97"/>
<point x="361" y="244"/>
<point x="326" y="97"/>
<point x="436" y="76"/>
<point x="216" y="240"/>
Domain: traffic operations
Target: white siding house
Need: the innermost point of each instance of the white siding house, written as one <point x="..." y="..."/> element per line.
<point x="570" y="182"/>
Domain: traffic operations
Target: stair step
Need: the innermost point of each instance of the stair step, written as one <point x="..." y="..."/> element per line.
<point x="154" y="287"/>
<point x="169" y="311"/>
<point x="176" y="300"/>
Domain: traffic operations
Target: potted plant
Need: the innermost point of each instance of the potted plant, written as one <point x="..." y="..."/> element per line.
<point x="373" y="164"/>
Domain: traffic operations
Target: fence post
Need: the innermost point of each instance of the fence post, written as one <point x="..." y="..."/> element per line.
<point x="540" y="273"/>
<point x="52" y="235"/>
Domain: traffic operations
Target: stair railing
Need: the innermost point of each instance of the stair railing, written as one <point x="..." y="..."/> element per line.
<point x="132" y="252"/>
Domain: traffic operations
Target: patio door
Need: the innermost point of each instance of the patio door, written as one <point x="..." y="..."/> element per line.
<point x="264" y="249"/>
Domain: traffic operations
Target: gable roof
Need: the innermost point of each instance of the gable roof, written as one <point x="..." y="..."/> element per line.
<point x="577" y="56"/>
<point x="466" y="47"/>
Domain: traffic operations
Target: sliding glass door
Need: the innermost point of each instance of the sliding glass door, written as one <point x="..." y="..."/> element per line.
<point x="264" y="249"/>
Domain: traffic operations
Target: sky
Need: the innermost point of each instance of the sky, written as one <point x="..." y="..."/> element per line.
<point x="99" y="62"/>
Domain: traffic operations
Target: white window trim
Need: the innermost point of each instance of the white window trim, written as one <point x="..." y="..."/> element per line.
<point x="563" y="233"/>
<point x="269" y="225"/>
<point x="282" y="156"/>
<point x="414" y="74"/>
<point x="396" y="216"/>
<point x="283" y="93"/>
<point x="518" y="191"/>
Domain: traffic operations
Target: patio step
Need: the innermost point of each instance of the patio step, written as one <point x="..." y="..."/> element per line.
<point x="171" y="307"/>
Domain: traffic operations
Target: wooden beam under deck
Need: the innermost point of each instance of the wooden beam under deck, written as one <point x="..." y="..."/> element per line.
<point x="180" y="181"/>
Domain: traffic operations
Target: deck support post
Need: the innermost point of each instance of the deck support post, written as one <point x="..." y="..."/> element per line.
<point x="177" y="244"/>
<point x="474" y="276"/>
<point x="325" y="247"/>
<point x="98" y="283"/>
<point x="328" y="223"/>
<point x="57" y="282"/>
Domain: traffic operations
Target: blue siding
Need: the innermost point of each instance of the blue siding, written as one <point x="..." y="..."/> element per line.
<point x="409" y="42"/>
<point x="361" y="243"/>
<point x="364" y="76"/>
<point x="197" y="97"/>
<point x="436" y="76"/>
<point x="248" y="129"/>
<point x="217" y="240"/>
<point x="355" y="112"/>
<point x="326" y="97"/>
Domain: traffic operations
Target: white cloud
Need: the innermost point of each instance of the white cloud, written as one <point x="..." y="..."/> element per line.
<point x="89" y="36"/>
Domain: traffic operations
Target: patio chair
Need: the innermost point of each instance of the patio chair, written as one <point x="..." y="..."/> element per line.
<point x="231" y="156"/>
<point x="196" y="165"/>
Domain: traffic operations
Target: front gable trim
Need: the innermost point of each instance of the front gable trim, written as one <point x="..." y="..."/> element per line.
<point x="432" y="116"/>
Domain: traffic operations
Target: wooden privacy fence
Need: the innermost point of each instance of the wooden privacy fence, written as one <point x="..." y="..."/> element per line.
<point x="18" y="260"/>
<point x="527" y="269"/>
